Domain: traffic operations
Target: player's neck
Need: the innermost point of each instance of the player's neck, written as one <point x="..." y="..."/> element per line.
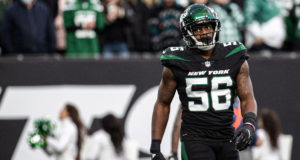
<point x="206" y="54"/>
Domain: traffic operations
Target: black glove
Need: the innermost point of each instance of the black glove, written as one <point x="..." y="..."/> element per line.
<point x="173" y="157"/>
<point x="244" y="135"/>
<point x="155" y="150"/>
<point x="158" y="156"/>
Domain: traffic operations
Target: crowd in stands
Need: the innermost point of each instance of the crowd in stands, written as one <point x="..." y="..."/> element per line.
<point x="110" y="28"/>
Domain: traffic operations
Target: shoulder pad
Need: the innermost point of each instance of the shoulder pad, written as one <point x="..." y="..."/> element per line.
<point x="231" y="44"/>
<point x="173" y="53"/>
<point x="176" y="49"/>
<point x="233" y="48"/>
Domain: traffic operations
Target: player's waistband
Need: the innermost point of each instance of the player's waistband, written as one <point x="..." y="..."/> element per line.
<point x="223" y="135"/>
<point x="205" y="139"/>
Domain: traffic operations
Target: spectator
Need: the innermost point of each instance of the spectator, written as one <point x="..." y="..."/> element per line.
<point x="261" y="16"/>
<point x="270" y="138"/>
<point x="67" y="143"/>
<point x="60" y="28"/>
<point x="231" y="17"/>
<point x="27" y="27"/>
<point x="110" y="143"/>
<point x="292" y="19"/>
<point x="164" y="25"/>
<point x="83" y="19"/>
<point x="56" y="7"/>
<point x="3" y="5"/>
<point x="138" y="15"/>
<point x="52" y="5"/>
<point x="115" y="34"/>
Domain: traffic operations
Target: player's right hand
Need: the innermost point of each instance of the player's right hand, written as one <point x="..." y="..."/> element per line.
<point x="158" y="156"/>
<point x="155" y="150"/>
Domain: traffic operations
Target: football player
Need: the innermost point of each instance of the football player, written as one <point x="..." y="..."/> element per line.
<point x="208" y="76"/>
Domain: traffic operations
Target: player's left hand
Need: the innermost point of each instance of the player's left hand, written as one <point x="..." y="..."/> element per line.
<point x="243" y="137"/>
<point x="173" y="157"/>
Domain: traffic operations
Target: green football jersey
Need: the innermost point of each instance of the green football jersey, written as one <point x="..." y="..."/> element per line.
<point x="82" y="42"/>
<point x="261" y="10"/>
<point x="206" y="88"/>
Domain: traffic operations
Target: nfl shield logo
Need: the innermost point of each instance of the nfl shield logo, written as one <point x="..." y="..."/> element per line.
<point x="207" y="64"/>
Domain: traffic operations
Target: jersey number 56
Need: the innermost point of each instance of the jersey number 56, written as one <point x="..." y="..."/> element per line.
<point x="212" y="97"/>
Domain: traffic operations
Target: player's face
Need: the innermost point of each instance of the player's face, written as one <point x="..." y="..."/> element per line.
<point x="202" y="31"/>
